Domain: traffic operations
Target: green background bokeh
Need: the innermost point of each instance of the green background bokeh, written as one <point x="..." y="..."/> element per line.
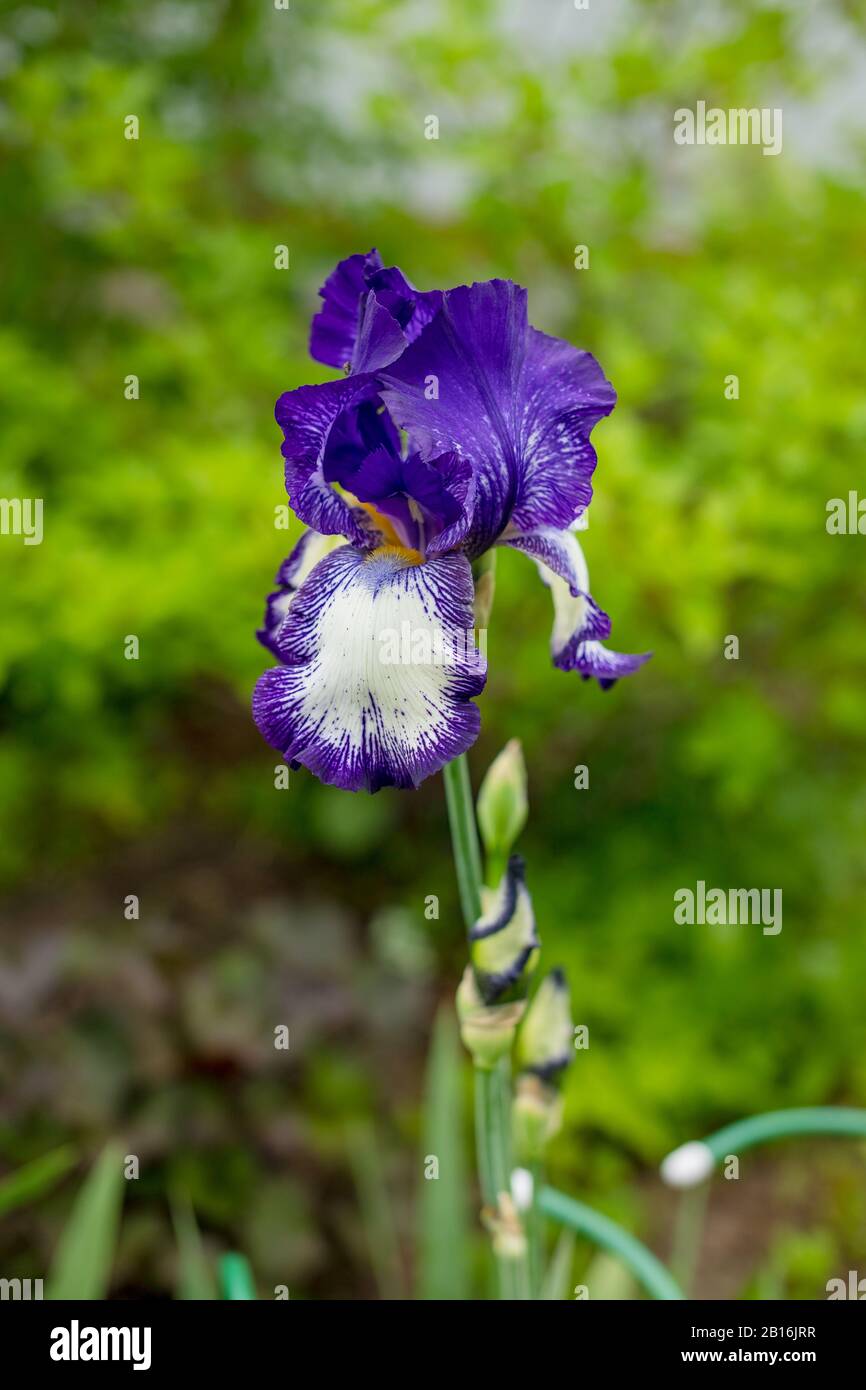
<point x="155" y="257"/>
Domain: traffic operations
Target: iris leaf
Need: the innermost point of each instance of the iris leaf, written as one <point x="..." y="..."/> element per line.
<point x="443" y="1224"/>
<point x="82" y="1263"/>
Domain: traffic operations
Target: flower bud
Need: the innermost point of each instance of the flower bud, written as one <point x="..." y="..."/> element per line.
<point x="502" y="801"/>
<point x="487" y="1031"/>
<point x="545" y="1045"/>
<point x="506" y="1229"/>
<point x="544" y="1049"/>
<point x="536" y="1116"/>
<point x="503" y="945"/>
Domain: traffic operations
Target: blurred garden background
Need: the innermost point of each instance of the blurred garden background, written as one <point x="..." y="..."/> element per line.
<point x="154" y="257"/>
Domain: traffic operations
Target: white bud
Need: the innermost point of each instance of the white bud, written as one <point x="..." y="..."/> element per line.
<point x="522" y="1188"/>
<point x="688" y="1165"/>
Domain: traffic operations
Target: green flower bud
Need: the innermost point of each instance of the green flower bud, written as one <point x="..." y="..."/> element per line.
<point x="544" y="1049"/>
<point x="502" y="801"/>
<point x="536" y="1115"/>
<point x="503" y="945"/>
<point x="487" y="1030"/>
<point x="545" y="1045"/>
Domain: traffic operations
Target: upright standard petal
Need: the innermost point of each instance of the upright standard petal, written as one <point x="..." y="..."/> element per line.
<point x="413" y="309"/>
<point x="335" y="327"/>
<point x="370" y="313"/>
<point x="520" y="405"/>
<point x="380" y="669"/>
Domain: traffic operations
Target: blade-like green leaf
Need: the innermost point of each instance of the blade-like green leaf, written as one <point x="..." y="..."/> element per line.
<point x="83" y="1258"/>
<point x="236" y="1277"/>
<point x="377" y="1215"/>
<point x="444" y="1229"/>
<point x="29" y="1182"/>
<point x="195" y="1280"/>
<point x="557" y="1278"/>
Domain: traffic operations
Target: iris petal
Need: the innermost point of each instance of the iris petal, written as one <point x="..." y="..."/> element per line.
<point x="379" y="670"/>
<point x="335" y="327"/>
<point x="309" y="550"/>
<point x="519" y="404"/>
<point x="317" y="421"/>
<point x="579" y="625"/>
<point x="370" y="313"/>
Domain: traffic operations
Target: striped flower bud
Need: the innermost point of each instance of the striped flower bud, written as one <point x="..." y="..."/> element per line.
<point x="546" y="1040"/>
<point x="544" y="1049"/>
<point x="503" y="944"/>
<point x="503" y="949"/>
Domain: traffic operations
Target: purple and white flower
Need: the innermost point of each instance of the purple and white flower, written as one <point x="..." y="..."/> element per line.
<point x="458" y="427"/>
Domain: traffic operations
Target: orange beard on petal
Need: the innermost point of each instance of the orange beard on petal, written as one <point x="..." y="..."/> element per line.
<point x="393" y="544"/>
<point x="401" y="552"/>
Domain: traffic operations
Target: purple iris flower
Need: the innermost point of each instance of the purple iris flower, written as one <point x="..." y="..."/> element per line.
<point x="457" y="427"/>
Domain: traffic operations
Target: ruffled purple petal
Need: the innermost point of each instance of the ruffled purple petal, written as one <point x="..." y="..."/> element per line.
<point x="426" y="501"/>
<point x="566" y="394"/>
<point x="335" y="327"/>
<point x="380" y="338"/>
<point x="379" y="673"/>
<point x="318" y="422"/>
<point x="444" y="489"/>
<point x="413" y="309"/>
<point x="520" y="405"/>
<point x="370" y="313"/>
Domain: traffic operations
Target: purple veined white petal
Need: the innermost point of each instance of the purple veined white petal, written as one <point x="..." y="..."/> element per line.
<point x="379" y="670"/>
<point x="317" y="421"/>
<point x="554" y="548"/>
<point x="591" y="658"/>
<point x="579" y="625"/>
<point x="519" y="404"/>
<point x="306" y="554"/>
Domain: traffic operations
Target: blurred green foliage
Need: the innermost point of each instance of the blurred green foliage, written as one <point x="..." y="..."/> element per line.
<point x="155" y="258"/>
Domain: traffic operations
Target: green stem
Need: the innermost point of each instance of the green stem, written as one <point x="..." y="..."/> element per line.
<point x="688" y="1230"/>
<point x="492" y="1087"/>
<point x="482" y="1137"/>
<point x="464" y="838"/>
<point x="500" y="1124"/>
<point x="643" y="1264"/>
<point x="488" y="1149"/>
<point x="786" y="1124"/>
<point x="495" y="866"/>
<point x="535" y="1231"/>
<point x="514" y="1270"/>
